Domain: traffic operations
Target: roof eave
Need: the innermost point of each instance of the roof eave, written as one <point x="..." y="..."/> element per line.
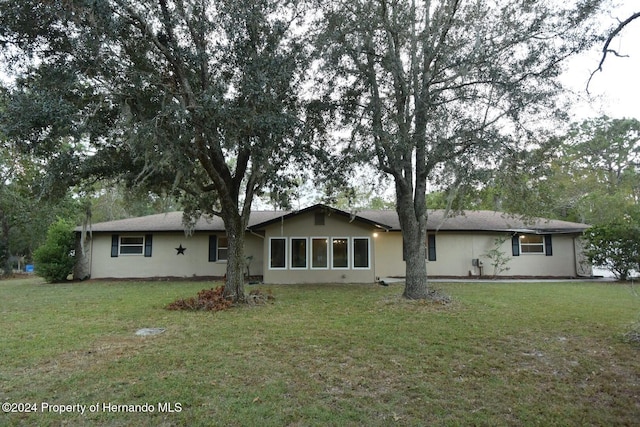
<point x="547" y="230"/>
<point x="326" y="208"/>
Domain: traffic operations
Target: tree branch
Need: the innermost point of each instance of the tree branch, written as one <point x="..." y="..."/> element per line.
<point x="605" y="48"/>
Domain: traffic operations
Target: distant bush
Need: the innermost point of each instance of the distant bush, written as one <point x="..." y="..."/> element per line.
<point x="614" y="246"/>
<point x="54" y="260"/>
<point x="633" y="334"/>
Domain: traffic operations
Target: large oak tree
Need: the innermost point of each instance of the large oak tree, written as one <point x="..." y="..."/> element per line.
<point x="432" y="90"/>
<point x="199" y="96"/>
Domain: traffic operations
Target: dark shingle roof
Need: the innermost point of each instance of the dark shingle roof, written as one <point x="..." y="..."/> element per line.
<point x="479" y="221"/>
<point x="172" y="221"/>
<point x="465" y="221"/>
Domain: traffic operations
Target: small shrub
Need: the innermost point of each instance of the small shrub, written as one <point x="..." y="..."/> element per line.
<point x="633" y="334"/>
<point x="497" y="257"/>
<point x="256" y="296"/>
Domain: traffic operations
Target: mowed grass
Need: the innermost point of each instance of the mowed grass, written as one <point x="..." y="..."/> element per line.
<point x="500" y="354"/>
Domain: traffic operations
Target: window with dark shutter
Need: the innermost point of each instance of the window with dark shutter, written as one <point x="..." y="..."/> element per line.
<point x="213" y="248"/>
<point x="148" y="243"/>
<point x="115" y="242"/>
<point x="515" y="245"/>
<point x="431" y="247"/>
<point x="131" y="245"/>
<point x="223" y="248"/>
<point x="548" y="248"/>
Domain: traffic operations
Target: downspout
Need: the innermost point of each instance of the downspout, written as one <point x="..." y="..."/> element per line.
<point x="91" y="258"/>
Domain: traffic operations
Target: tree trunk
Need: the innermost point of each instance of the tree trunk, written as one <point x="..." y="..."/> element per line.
<point x="414" y="234"/>
<point x="234" y="286"/>
<point x="5" y="253"/>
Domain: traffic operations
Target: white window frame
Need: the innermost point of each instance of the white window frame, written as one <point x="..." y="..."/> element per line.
<point x="353" y="252"/>
<point x="530" y="245"/>
<point x="286" y="255"/>
<point x="327" y="257"/>
<point x="347" y="240"/>
<point x="130" y="245"/>
<point x="306" y="254"/>
<point x="218" y="247"/>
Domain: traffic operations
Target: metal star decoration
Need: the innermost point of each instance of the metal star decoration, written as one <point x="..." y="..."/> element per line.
<point x="180" y="250"/>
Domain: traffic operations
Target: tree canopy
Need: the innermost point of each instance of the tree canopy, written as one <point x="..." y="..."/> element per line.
<point x="438" y="91"/>
<point x="199" y="97"/>
<point x="210" y="101"/>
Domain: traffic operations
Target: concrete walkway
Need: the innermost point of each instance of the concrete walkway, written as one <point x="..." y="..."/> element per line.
<point x="393" y="280"/>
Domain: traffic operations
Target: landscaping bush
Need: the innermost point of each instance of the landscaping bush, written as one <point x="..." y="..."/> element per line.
<point x="614" y="246"/>
<point x="633" y="334"/>
<point x="54" y="260"/>
<point x="256" y="296"/>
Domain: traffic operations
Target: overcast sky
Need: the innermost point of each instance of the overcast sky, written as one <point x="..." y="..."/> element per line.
<point x="616" y="90"/>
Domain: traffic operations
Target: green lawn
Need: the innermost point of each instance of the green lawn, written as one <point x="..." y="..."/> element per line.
<point x="500" y="354"/>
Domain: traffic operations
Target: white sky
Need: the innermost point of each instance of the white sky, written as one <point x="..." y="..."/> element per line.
<point x="616" y="90"/>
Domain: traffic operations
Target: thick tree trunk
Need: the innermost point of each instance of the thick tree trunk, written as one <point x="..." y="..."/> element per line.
<point x="414" y="235"/>
<point x="5" y="254"/>
<point x="234" y="286"/>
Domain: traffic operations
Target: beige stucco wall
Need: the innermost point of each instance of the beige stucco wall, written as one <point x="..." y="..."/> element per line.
<point x="164" y="261"/>
<point x="454" y="254"/>
<point x="456" y="250"/>
<point x="388" y="254"/>
<point x="303" y="226"/>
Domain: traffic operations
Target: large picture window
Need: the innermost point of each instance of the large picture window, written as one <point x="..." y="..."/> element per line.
<point x="277" y="253"/>
<point x="319" y="252"/>
<point x="361" y="252"/>
<point x="298" y="253"/>
<point x="340" y="252"/>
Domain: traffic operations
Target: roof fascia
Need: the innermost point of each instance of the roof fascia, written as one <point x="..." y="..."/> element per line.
<point x="328" y="209"/>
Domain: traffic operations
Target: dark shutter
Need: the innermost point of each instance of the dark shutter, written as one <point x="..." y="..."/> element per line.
<point x="431" y="243"/>
<point x="515" y="245"/>
<point x="148" y="244"/>
<point x="213" y="248"/>
<point x="115" y="241"/>
<point x="404" y="251"/>
<point x="548" y="248"/>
